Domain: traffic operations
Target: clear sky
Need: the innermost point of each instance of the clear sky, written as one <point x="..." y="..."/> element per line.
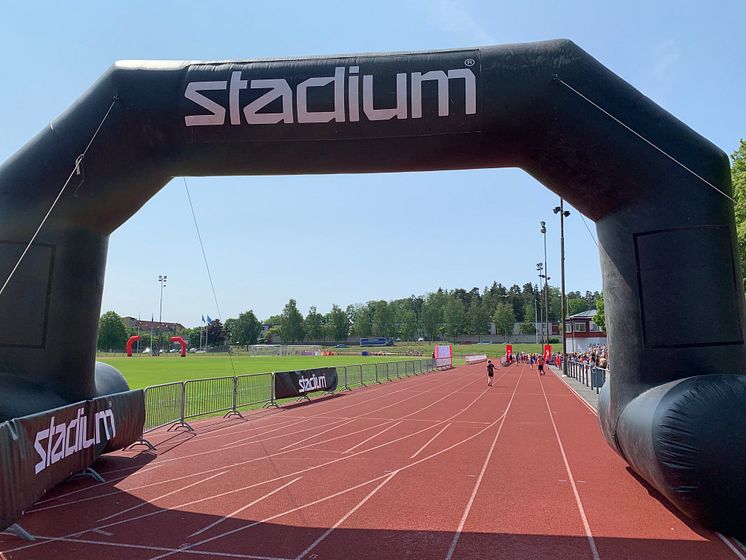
<point x="272" y="238"/>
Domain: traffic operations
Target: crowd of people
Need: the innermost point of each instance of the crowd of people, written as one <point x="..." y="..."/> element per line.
<point x="596" y="355"/>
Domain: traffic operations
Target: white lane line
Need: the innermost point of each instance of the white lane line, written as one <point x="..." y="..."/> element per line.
<point x="102" y="532"/>
<point x="371" y="437"/>
<point x="587" y="405"/>
<point x="266" y="519"/>
<point x="571" y="478"/>
<point x="239" y="510"/>
<point x="119" y="491"/>
<point x="346" y="516"/>
<point x="200" y="500"/>
<point x="211" y="554"/>
<point x="443" y="429"/>
<point x="336" y="494"/>
<point x="731" y="546"/>
<point x="595" y="412"/>
<point x="467" y="510"/>
<point x="255" y="432"/>
<point x="314" y="436"/>
<point x="149" y="502"/>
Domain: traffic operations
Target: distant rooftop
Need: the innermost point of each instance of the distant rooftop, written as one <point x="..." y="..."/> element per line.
<point x="584" y="314"/>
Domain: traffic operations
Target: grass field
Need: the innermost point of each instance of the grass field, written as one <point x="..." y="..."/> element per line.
<point x="143" y="371"/>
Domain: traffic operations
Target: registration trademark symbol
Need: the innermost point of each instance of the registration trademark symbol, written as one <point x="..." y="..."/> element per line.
<point x="469" y="62"/>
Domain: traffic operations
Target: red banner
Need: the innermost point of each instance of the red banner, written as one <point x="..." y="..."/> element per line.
<point x="547" y="352"/>
<point x="508" y="350"/>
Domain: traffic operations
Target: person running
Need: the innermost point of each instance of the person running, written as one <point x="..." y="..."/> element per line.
<point x="490" y="372"/>
<point x="540" y="364"/>
<point x="531" y="361"/>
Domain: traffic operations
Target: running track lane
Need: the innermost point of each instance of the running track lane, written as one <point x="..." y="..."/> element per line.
<point x="436" y="466"/>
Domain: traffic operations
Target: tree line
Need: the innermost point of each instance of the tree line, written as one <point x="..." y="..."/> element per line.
<point x="447" y="313"/>
<point x="443" y="313"/>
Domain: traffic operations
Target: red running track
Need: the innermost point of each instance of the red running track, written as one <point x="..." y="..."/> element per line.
<point x="431" y="467"/>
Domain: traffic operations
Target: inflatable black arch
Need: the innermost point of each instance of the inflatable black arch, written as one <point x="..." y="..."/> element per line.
<point x="674" y="407"/>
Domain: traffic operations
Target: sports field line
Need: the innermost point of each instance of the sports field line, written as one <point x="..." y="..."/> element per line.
<point x="183" y="477"/>
<point x="470" y="503"/>
<point x="428" y="442"/>
<point x="360" y="416"/>
<point x="571" y="478"/>
<point x="370" y="438"/>
<point x="727" y="540"/>
<point x="319" y="416"/>
<point x="317" y="434"/>
<point x="247" y="506"/>
<point x="153" y="500"/>
<point x="574" y="392"/>
<point x="336" y="494"/>
<point x="211" y="554"/>
<point x="255" y="438"/>
<point x="346" y="516"/>
<point x="308" y="469"/>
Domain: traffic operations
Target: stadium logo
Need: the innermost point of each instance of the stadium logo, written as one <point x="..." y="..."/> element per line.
<point x="346" y="85"/>
<point x="67" y="438"/>
<point x="312" y="383"/>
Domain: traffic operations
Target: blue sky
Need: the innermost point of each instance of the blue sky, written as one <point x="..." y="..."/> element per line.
<point x="352" y="238"/>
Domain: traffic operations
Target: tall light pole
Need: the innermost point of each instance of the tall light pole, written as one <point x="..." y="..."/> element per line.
<point x="162" y="279"/>
<point x="563" y="214"/>
<point x="546" y="281"/>
<point x="542" y="318"/>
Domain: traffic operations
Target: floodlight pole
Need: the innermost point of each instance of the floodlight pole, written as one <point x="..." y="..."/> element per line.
<point x="162" y="280"/>
<point x="542" y="276"/>
<point x="563" y="214"/>
<point x="546" y="282"/>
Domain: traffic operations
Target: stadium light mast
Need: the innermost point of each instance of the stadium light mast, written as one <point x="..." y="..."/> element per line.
<point x="162" y="280"/>
<point x="546" y="281"/>
<point x="541" y="321"/>
<point x="563" y="214"/>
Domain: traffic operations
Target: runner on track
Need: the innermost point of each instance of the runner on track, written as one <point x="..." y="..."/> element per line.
<point x="490" y="372"/>
<point x="540" y="364"/>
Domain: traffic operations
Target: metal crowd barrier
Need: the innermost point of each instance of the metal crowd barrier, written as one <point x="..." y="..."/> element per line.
<point x="171" y="404"/>
<point x="589" y="375"/>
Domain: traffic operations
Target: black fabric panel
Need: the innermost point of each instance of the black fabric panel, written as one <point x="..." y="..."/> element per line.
<point x="298" y="383"/>
<point x="38" y="452"/>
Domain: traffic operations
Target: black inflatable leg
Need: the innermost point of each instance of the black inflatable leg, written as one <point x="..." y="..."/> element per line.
<point x="687" y="438"/>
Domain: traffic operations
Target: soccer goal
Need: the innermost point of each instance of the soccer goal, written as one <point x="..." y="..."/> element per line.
<point x="285" y="350"/>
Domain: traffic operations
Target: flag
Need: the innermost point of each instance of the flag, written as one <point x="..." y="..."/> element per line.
<point x="203" y="318"/>
<point x="208" y="319"/>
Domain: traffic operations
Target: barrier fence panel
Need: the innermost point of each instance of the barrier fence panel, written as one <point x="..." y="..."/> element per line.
<point x="381" y="373"/>
<point x="172" y="403"/>
<point x="589" y="375"/>
<point x="207" y="396"/>
<point x="369" y="374"/>
<point x="253" y="389"/>
<point x="163" y="405"/>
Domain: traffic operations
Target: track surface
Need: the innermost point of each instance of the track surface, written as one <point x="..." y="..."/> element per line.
<point x="436" y="466"/>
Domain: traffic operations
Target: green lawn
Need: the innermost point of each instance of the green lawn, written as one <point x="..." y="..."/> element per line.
<point x="144" y="371"/>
